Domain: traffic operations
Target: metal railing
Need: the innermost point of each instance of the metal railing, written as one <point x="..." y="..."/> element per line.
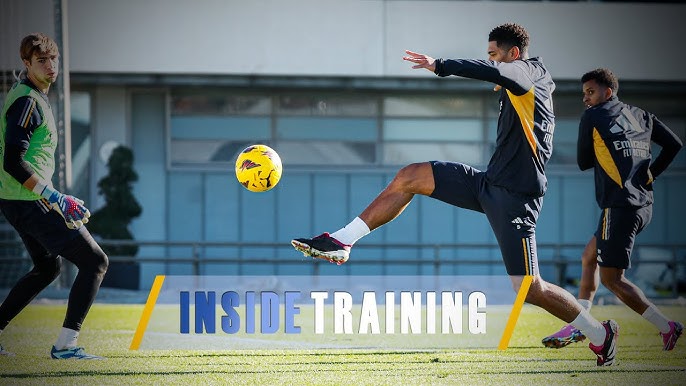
<point x="197" y="257"/>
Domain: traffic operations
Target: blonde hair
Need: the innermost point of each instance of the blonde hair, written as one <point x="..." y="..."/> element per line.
<point x="37" y="43"/>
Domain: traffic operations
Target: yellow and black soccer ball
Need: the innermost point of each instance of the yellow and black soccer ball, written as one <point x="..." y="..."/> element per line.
<point x="258" y="168"/>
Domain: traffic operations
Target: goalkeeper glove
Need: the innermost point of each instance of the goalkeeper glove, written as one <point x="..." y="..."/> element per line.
<point x="69" y="207"/>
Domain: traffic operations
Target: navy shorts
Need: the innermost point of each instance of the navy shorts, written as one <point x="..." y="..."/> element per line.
<point x="617" y="230"/>
<point x="512" y="215"/>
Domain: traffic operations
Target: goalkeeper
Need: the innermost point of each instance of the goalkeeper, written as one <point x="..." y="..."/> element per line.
<point x="49" y="223"/>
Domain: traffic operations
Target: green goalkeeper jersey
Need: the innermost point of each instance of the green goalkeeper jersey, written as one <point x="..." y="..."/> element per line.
<point x="40" y="155"/>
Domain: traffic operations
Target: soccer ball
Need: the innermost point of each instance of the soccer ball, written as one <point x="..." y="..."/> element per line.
<point x="258" y="168"/>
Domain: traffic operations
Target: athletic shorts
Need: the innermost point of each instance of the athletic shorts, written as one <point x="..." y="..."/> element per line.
<point x="512" y="215"/>
<point x="617" y="230"/>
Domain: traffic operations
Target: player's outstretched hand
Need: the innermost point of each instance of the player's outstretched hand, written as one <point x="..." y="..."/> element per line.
<point x="420" y="60"/>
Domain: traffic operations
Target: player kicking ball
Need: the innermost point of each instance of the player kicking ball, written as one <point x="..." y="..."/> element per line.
<point x="614" y="140"/>
<point x="510" y="192"/>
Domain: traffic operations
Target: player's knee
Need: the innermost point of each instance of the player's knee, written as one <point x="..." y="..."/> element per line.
<point x="97" y="262"/>
<point x="102" y="263"/>
<point x="536" y="292"/>
<point x="405" y="174"/>
<point x="410" y="177"/>
<point x="610" y="279"/>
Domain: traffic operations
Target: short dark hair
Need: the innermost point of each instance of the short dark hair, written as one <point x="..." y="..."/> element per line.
<point x="510" y="35"/>
<point x="604" y="77"/>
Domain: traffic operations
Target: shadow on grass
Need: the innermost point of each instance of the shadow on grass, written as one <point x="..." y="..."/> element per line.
<point x="91" y="373"/>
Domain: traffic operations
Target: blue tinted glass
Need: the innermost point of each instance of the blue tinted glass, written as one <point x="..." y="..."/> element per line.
<point x="326" y="152"/>
<point x="331" y="129"/>
<point x="431" y="106"/>
<point x="492" y="129"/>
<point x="327" y="105"/>
<point x="433" y="129"/>
<point x="193" y="151"/>
<point x="566" y="130"/>
<point x="404" y="153"/>
<point x="204" y="127"/>
<point x="564" y="153"/>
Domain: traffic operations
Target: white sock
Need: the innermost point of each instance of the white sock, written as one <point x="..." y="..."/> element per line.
<point x="67" y="339"/>
<point x="591" y="327"/>
<point x="654" y="316"/>
<point x="585" y="303"/>
<point x="352" y="232"/>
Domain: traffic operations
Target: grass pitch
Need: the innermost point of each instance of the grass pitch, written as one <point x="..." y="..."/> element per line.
<point x="109" y="329"/>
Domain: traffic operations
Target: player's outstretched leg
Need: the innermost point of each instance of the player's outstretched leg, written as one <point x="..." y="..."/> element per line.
<point x="566" y="336"/>
<point x="417" y="178"/>
<point x="669" y="339"/>
<point x="323" y="247"/>
<point x="607" y="352"/>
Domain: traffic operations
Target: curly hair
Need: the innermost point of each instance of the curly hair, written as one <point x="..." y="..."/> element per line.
<point x="37" y="43"/>
<point x="604" y="77"/>
<point x="510" y="35"/>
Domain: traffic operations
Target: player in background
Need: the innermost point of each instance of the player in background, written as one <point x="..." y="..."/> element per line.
<point x="510" y="192"/>
<point x="614" y="140"/>
<point x="49" y="223"/>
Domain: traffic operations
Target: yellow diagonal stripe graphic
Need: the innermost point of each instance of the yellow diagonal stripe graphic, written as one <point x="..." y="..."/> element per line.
<point x="604" y="157"/>
<point x="147" y="311"/>
<point x="524" y="106"/>
<point x="516" y="309"/>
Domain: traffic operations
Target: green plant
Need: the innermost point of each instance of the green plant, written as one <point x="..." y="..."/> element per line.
<point x="112" y="220"/>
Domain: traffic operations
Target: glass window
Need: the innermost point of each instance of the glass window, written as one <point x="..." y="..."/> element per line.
<point x="404" y="153"/>
<point x="568" y="105"/>
<point x="427" y="106"/>
<point x="566" y="130"/>
<point x="315" y="105"/>
<point x="331" y="129"/>
<point x="219" y="127"/>
<point x="424" y="128"/>
<point x="678" y="126"/>
<point x="212" y="126"/>
<point x="350" y="128"/>
<point x="80" y="109"/>
<point x="206" y="151"/>
<point x="216" y="103"/>
<point x="433" y="130"/>
<point x="660" y="105"/>
<point x="326" y="130"/>
<point x="326" y="153"/>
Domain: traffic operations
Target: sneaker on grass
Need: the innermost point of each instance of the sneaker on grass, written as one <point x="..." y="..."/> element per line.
<point x="607" y="352"/>
<point x="71" y="353"/>
<point x="669" y="339"/>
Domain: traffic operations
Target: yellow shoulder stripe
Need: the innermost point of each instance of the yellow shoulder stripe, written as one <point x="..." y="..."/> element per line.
<point x="602" y="154"/>
<point x="524" y="106"/>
